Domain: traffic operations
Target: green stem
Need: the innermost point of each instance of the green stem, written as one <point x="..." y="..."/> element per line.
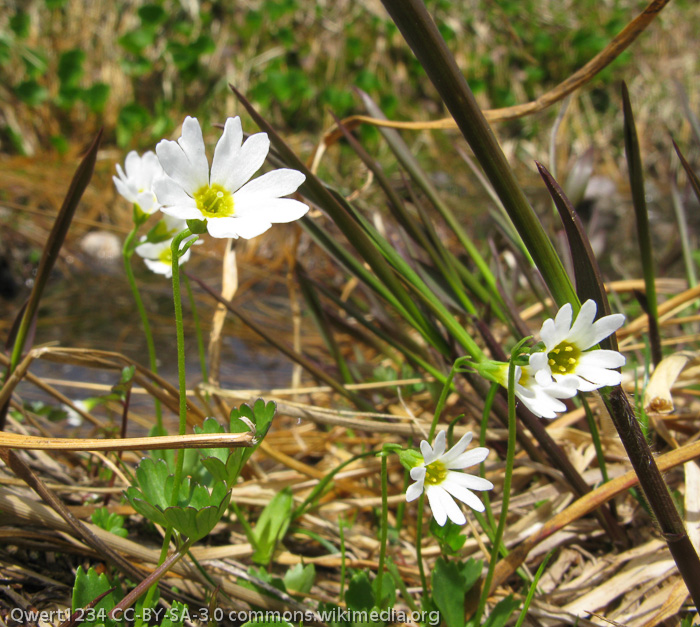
<point x="181" y="376"/>
<point x="127" y="252"/>
<point x="488" y="403"/>
<point x="383" y="532"/>
<point x="198" y="330"/>
<point x="510" y="456"/>
<point x="446" y="388"/>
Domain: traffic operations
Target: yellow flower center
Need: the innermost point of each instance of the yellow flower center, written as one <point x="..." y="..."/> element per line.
<point x="435" y="473"/>
<point x="166" y="256"/>
<point x="563" y="358"/>
<point x="214" y="201"/>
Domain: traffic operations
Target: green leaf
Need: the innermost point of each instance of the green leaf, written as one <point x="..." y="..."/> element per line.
<point x="95" y="97"/>
<point x="155" y="481"/>
<point x="386" y="597"/>
<point x="271" y="526"/>
<point x="193" y="523"/>
<point x="70" y="67"/>
<point x="55" y="4"/>
<point x="299" y="578"/>
<point x="19" y="23"/>
<point x="31" y="92"/>
<point x="137" y="40"/>
<point x="152" y="14"/>
<point x="359" y="595"/>
<point x="87" y="587"/>
<point x="450" y="583"/>
<point x="501" y="613"/>
<point x="449" y="536"/>
<point x="176" y="615"/>
<point x="109" y="521"/>
<point x="132" y="118"/>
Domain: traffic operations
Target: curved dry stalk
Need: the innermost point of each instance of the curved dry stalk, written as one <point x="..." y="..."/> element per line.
<point x="579" y="78"/>
<point x="199" y="440"/>
<point x="586" y="504"/>
<point x="154" y="385"/>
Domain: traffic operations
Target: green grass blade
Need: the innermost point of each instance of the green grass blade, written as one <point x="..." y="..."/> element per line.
<point x="636" y="176"/>
<point x="422" y="35"/>
<point x="409" y="162"/>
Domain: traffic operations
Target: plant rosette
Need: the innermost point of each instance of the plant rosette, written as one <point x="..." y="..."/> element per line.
<point x="197" y="511"/>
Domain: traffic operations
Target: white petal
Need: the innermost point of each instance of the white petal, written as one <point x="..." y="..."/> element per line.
<point x="418" y="473"/>
<point x="581" y="330"/>
<point x="439" y="446"/>
<point x="149" y="250"/>
<point x="226" y="151"/>
<point x="245" y="163"/>
<point x="129" y="192"/>
<point x="414" y="491"/>
<point x="602" y="359"/>
<point x="183" y="212"/>
<point x="273" y="184"/>
<point x="192" y="144"/>
<point x="427" y="452"/>
<point x="176" y="165"/>
<point x="457" y="449"/>
<point x="601" y="329"/>
<point x="169" y="193"/>
<point x="562" y="324"/>
<point x="599" y="376"/>
<point x="471" y="482"/>
<point x="273" y="210"/>
<point x="464" y="495"/>
<point x="251" y="227"/>
<point x="439" y="511"/>
<point x="132" y="164"/>
<point x="470" y="458"/>
<point x="441" y="500"/>
<point x="538" y="360"/>
<point x="157" y="266"/>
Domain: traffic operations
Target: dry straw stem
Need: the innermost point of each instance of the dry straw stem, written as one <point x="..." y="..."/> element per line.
<point x="202" y="440"/>
<point x="579" y="78"/>
<point x="155" y="385"/>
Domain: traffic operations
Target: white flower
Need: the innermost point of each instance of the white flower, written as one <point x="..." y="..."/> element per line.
<point x="158" y="257"/>
<point x="136" y="185"/>
<point x="231" y="206"/>
<point x="442" y="485"/>
<point x="566" y="356"/>
<point x="542" y="400"/>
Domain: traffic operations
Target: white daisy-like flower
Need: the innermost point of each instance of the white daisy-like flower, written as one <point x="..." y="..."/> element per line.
<point x="232" y="206"/>
<point x="159" y="258"/>
<point x="566" y="357"/>
<point x="437" y="477"/>
<point x="136" y="184"/>
<point x="542" y="400"/>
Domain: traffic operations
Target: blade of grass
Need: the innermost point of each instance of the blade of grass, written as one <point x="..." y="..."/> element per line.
<point x="409" y="162"/>
<point x="422" y="35"/>
<point x="589" y="282"/>
<point x="80" y="181"/>
<point x="636" y="176"/>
